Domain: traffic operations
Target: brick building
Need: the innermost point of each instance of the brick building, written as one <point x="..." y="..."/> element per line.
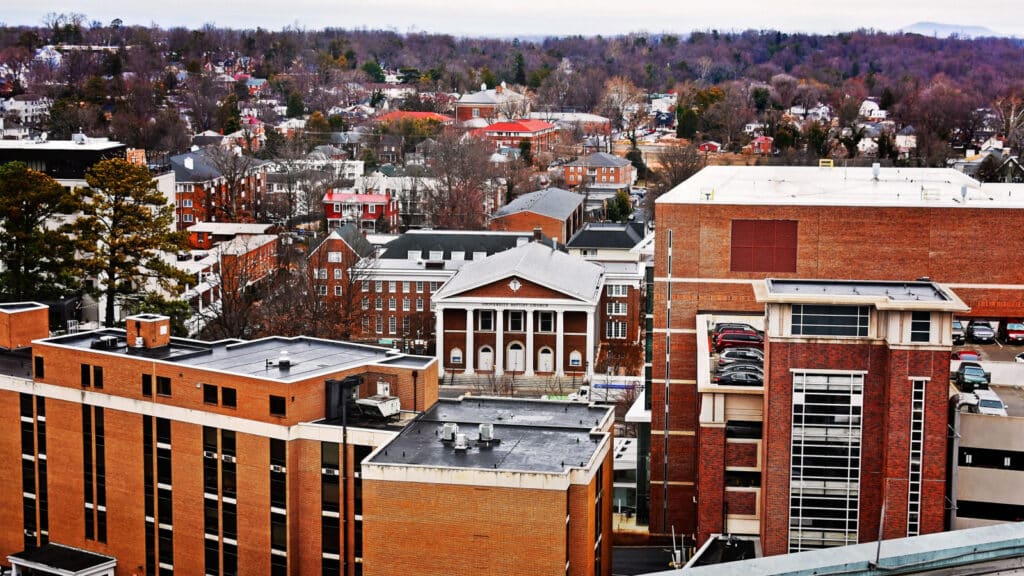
<point x="190" y="457"/>
<point x="532" y="310"/>
<point x="368" y="211"/>
<point x="519" y="487"/>
<point x="558" y="213"/>
<point x="203" y="188"/>
<point x="851" y="415"/>
<point x="478" y="109"/>
<point x="508" y="136"/>
<point x="728" y="228"/>
<point x="599" y="168"/>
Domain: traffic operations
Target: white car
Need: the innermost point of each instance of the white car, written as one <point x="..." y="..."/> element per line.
<point x="990" y="403"/>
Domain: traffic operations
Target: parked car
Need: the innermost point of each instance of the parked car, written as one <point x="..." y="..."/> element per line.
<point x="738" y="379"/>
<point x="1011" y="332"/>
<point x="971" y="376"/>
<point x="989" y="403"/>
<point x="1019" y="357"/>
<point x="980" y="331"/>
<point x="744" y="355"/>
<point x="958" y="332"/>
<point x="966" y="354"/>
<point x="739" y="367"/>
<point x="738" y="339"/>
<point x="734" y="327"/>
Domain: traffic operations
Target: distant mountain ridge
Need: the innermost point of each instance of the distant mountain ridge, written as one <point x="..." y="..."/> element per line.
<point x="940" y="30"/>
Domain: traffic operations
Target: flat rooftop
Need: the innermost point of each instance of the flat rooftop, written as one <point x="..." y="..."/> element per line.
<point x="813" y="186"/>
<point x="95" y="144"/>
<point x="66" y="559"/>
<point x="230" y="228"/>
<point x="309" y="357"/>
<point x="531" y="435"/>
<point x="881" y="294"/>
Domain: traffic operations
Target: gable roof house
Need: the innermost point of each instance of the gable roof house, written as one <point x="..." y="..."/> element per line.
<point x="556" y="212"/>
<point x="478" y="109"/>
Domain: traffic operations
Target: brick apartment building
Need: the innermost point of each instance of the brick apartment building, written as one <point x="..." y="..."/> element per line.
<point x="557" y="212"/>
<point x="182" y="456"/>
<point x="599" y="170"/>
<point x="478" y="109"/>
<point x="508" y="136"/>
<point x="725" y="230"/>
<point x="520" y="487"/>
<point x="378" y="212"/>
<point x="202" y="189"/>
<point x="852" y="415"/>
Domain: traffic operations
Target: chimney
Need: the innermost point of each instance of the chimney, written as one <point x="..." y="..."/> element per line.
<point x="153" y="330"/>
<point x="537" y="234"/>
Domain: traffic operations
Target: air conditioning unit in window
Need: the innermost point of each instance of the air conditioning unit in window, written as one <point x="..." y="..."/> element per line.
<point x="227" y="458"/>
<point x="208" y="454"/>
<point x="276" y="468"/>
<point x="329" y="472"/>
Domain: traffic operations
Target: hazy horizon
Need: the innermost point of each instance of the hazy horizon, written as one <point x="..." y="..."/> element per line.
<point x="531" y="18"/>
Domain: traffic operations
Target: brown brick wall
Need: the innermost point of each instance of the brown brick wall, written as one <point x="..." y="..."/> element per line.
<point x="11" y="517"/>
<point x="741" y="503"/>
<point x="711" y="492"/>
<point x="19" y="328"/>
<point x="741" y="454"/>
<point x="527" y="221"/>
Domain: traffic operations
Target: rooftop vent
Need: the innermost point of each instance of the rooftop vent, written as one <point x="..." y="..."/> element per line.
<point x="105" y="343"/>
<point x="461" y="443"/>
<point x="284" y="361"/>
<point x="448" y="431"/>
<point x="486" y="432"/>
<point x="876" y="169"/>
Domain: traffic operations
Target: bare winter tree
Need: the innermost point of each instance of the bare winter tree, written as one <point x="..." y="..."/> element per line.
<point x="463" y="172"/>
<point x="623" y="103"/>
<point x="241" y="276"/>
<point x="1009" y="110"/>
<point x="239" y="202"/>
<point x="675" y="164"/>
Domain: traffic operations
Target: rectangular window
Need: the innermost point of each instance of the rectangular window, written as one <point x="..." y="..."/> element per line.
<point x="434" y="286"/>
<point x="823" y="320"/>
<point x="405" y="287"/>
<point x="147" y="385"/>
<point x="378" y="303"/>
<point x="515" y="320"/>
<point x="365" y="285"/>
<point x="334" y="257"/>
<point x="916" y="455"/>
<point x="366" y="303"/>
<point x="277" y="406"/>
<point x="321" y="290"/>
<point x="163" y="385"/>
<point x="419" y="304"/>
<point x="337" y="290"/>
<point x="615" y="308"/>
<point x="615" y="330"/>
<point x="419" y="287"/>
<point x="209" y="394"/>
<point x="546" y="322"/>
<point x="372" y="209"/>
<point x="39" y="367"/>
<point x="378" y="286"/>
<point x="763" y="246"/>
<point x="392" y="286"/>
<point x="920" y="326"/>
<point x="405" y="304"/>
<point x="337" y="273"/>
<point x="228" y="397"/>
<point x="320" y="274"/>
<point x="391" y="303"/>
<point x="485" y="321"/>
<point x="617" y="290"/>
<point x="86" y="375"/>
<point x="97" y="377"/>
<point x="391" y="325"/>
<point x="379" y="325"/>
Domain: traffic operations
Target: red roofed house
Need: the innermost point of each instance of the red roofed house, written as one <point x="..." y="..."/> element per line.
<point x="507" y="135"/>
<point x="710" y="146"/>
<point x="363" y="209"/>
<point x="762" y="145"/>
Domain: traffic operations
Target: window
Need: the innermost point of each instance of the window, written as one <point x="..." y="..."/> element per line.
<point x="405" y="325"/>
<point x="434" y="286"/>
<point x="228" y="397"/>
<point x="40" y="367"/>
<point x="320" y="274"/>
<point x="816" y="320"/>
<point x="379" y="326"/>
<point x="515" y="321"/>
<point x="366" y="303"/>
<point x="209" y="394"/>
<point x="147" y="385"/>
<point x="97" y="376"/>
<point x="615" y="330"/>
<point x="419" y="304"/>
<point x="916" y="454"/>
<point x="763" y="246"/>
<point x="366" y="285"/>
<point x="334" y="257"/>
<point x="86" y="375"/>
<point x="321" y="290"/>
<point x="405" y="287"/>
<point x="378" y="286"/>
<point x="455" y="356"/>
<point x="186" y="217"/>
<point x="372" y="209"/>
<point x="392" y="286"/>
<point x="378" y="303"/>
<point x="617" y="290"/>
<point x="277" y="406"/>
<point x="337" y="290"/>
<point x="920" y="326"/>
<point x="337" y="273"/>
<point x="575" y="359"/>
<point x="419" y="287"/>
<point x="392" y="325"/>
<point x="391" y="303"/>
<point x="616" y="308"/>
<point x="405" y="304"/>
<point x="163" y="385"/>
<point x="485" y="321"/>
<point x="186" y="203"/>
<point x="546" y="322"/>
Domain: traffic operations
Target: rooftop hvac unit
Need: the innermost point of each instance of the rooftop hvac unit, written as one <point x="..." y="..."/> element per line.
<point x="283" y="360"/>
<point x="486" y="432"/>
<point x="448" y="431"/>
<point x="105" y="343"/>
<point x="461" y="443"/>
<point x="379" y="406"/>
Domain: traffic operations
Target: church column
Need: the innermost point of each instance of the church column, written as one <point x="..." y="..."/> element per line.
<point x="529" y="343"/>
<point x="439" y="339"/>
<point x="590" y="346"/>
<point x="560" y="342"/>
<point x="499" y="342"/>
<point x="470" y="353"/>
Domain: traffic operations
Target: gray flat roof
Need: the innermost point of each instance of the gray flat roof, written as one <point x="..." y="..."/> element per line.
<point x="257" y="358"/>
<point x="812" y="186"/>
<point x="891" y="290"/>
<point x="95" y="144"/>
<point x="533" y="435"/>
<point x="64" y="558"/>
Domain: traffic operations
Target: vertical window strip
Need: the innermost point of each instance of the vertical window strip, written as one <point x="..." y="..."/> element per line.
<point x="87" y="470"/>
<point x="149" y="487"/>
<point x="916" y="456"/>
<point x="30" y="499"/>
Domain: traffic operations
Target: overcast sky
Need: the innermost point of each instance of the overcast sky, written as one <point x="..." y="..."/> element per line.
<point x="534" y="17"/>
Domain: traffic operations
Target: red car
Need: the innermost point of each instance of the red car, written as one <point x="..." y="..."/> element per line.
<point x="968" y="355"/>
<point x="737" y="339"/>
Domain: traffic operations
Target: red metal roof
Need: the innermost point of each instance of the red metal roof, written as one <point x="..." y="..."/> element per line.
<point x="520" y="126"/>
<point x="360" y="198"/>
